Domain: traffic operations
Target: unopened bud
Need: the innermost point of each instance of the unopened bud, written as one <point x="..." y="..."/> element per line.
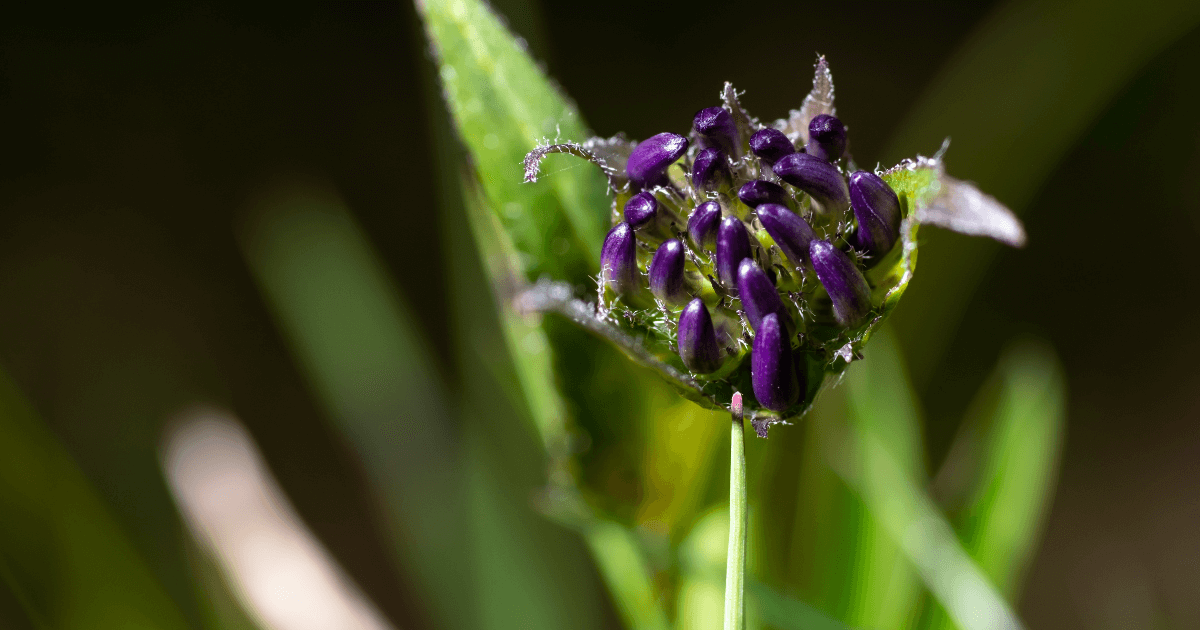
<point x="844" y="283"/>
<point x="820" y="179"/>
<point x="649" y="160"/>
<point x="666" y="273"/>
<point x="878" y="212"/>
<point x="826" y="137"/>
<point x="790" y="231"/>
<point x="697" y="339"/>
<point x="618" y="259"/>
<point x="760" y="191"/>
<point x="772" y="369"/>
<point x="733" y="244"/>
<point x="770" y="145"/>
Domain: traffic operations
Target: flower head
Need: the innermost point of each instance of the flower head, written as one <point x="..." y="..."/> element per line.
<point x="766" y="280"/>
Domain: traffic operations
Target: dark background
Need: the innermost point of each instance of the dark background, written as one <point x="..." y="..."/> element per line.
<point x="130" y="140"/>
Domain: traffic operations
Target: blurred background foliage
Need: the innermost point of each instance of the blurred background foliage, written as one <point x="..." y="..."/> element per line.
<point x="272" y="211"/>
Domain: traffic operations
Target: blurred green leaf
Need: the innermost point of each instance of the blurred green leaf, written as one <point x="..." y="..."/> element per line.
<point x="356" y="341"/>
<point x="845" y="560"/>
<point x="62" y="554"/>
<point x="1018" y="471"/>
<point x="219" y="606"/>
<point x="876" y="460"/>
<point x="503" y="106"/>
<point x="1004" y="462"/>
<point x="785" y="613"/>
<point x="620" y="561"/>
<point x="532" y="573"/>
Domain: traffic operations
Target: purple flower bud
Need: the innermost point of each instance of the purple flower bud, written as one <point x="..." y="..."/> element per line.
<point x="666" y="273"/>
<point x="772" y="370"/>
<point x="771" y="144"/>
<point x="733" y="244"/>
<point x="702" y="225"/>
<point x="618" y="259"/>
<point x="760" y="191"/>
<point x="791" y="232"/>
<point x="758" y="294"/>
<point x="815" y="176"/>
<point x="844" y="283"/>
<point x="650" y="158"/>
<point x="640" y="210"/>
<point x="698" y="345"/>
<point x="715" y="125"/>
<point x="878" y="212"/>
<point x="710" y="170"/>
<point x="826" y="137"/>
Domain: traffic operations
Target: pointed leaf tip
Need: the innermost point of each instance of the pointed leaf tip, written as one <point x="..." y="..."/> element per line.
<point x="819" y="101"/>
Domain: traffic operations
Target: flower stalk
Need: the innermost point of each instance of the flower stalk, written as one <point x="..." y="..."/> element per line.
<point x="735" y="562"/>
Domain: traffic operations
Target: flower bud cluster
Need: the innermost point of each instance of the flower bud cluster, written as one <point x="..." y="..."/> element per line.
<point x="750" y="245"/>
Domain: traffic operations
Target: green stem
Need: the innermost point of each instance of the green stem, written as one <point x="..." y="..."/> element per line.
<point x="735" y="565"/>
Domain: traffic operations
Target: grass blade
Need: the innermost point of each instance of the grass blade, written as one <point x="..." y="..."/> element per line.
<point x="362" y="355"/>
<point x="62" y="554"/>
<point x="893" y="491"/>
<point x="1001" y="523"/>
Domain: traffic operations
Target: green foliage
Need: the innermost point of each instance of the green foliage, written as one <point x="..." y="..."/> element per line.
<point x="503" y="107"/>
<point x="62" y="554"/>
<point x="354" y="338"/>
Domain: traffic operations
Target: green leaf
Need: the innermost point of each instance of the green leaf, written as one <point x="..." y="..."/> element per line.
<point x="1001" y="471"/>
<point x="999" y="475"/>
<point x="883" y="474"/>
<point x="62" y="554"/>
<point x="1018" y="470"/>
<point x="500" y="213"/>
<point x="503" y="107"/>
<point x="356" y="342"/>
<point x="782" y="612"/>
